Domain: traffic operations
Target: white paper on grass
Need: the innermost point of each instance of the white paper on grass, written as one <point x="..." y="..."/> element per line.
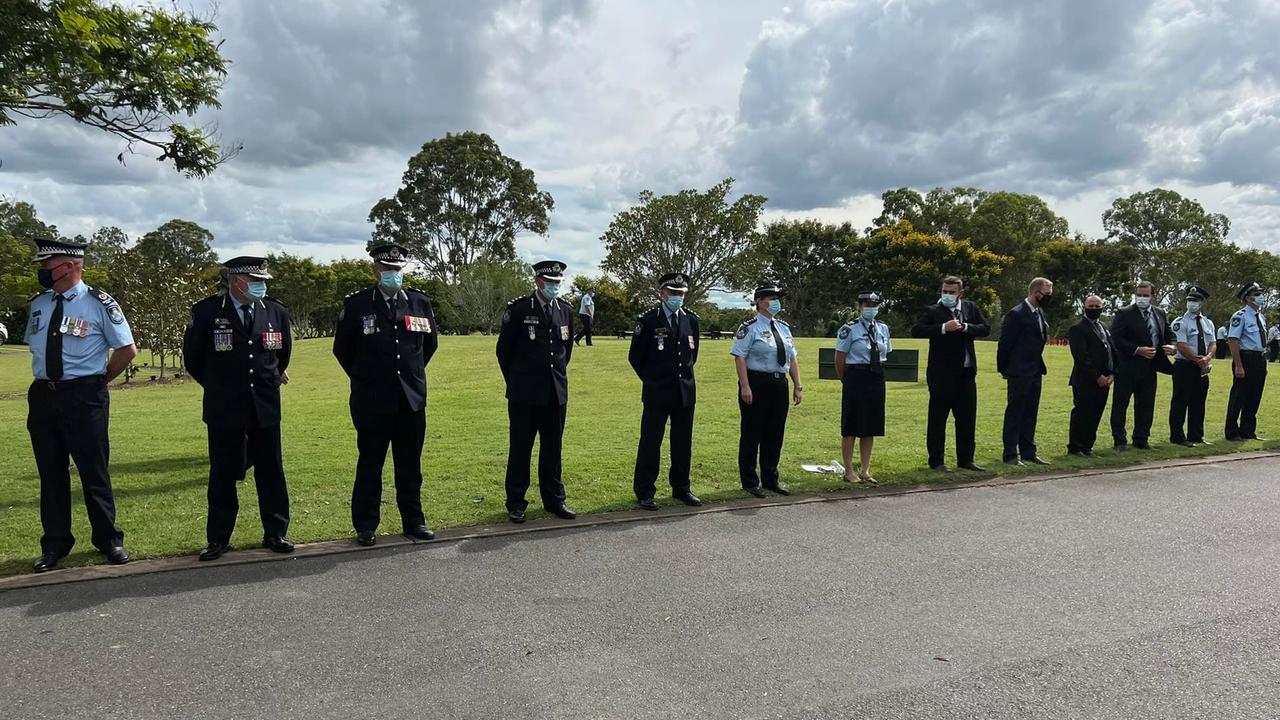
<point x="834" y="468"/>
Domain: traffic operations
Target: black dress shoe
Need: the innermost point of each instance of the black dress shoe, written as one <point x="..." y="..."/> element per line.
<point x="1015" y="462"/>
<point x="1037" y="460"/>
<point x="420" y="532"/>
<point x="214" y="551"/>
<point x="117" y="555"/>
<point x="1236" y="438"/>
<point x="755" y="491"/>
<point x="1255" y="437"/>
<point x="46" y="562"/>
<point x="366" y="538"/>
<point x="649" y="504"/>
<point x="1142" y="446"/>
<point x="1202" y="441"/>
<point x="516" y="516"/>
<point x="688" y="498"/>
<point x="780" y="489"/>
<point x="975" y="467"/>
<point x="1184" y="443"/>
<point x="277" y="544"/>
<point x="1076" y="453"/>
<point x="940" y="468"/>
<point x="563" y="512"/>
<point x="1121" y="447"/>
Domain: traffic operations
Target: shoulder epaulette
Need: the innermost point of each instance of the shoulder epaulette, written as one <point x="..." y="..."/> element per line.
<point x="101" y="296"/>
<point x="420" y="291"/>
<point x="513" y="301"/>
<point x="782" y="322"/>
<point x="33" y="297"/>
<point x="271" y="299"/>
<point x="566" y="302"/>
<point x="203" y="301"/>
<point x="690" y="312"/>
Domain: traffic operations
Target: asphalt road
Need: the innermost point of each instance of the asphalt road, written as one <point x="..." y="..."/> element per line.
<point x="1151" y="594"/>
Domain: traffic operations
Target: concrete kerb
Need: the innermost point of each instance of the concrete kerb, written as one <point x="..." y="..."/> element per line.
<point x="474" y="532"/>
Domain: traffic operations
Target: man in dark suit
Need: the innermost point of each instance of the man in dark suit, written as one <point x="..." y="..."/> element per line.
<point x="1093" y="353"/>
<point x="535" y="344"/>
<point x="951" y="325"/>
<point x="386" y="335"/>
<point x="664" y="349"/>
<point x="1020" y="360"/>
<point x="237" y="346"/>
<point x="1143" y="343"/>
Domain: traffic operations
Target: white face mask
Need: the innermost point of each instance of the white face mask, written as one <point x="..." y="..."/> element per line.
<point x="1142" y="302"/>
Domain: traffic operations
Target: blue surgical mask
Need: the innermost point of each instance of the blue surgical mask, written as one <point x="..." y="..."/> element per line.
<point x="1142" y="302"/>
<point x="675" y="302"/>
<point x="870" y="313"/>
<point x="775" y="307"/>
<point x="1257" y="299"/>
<point x="256" y="290"/>
<point x="948" y="301"/>
<point x="1193" y="306"/>
<point x="551" y="290"/>
<point x="391" y="279"/>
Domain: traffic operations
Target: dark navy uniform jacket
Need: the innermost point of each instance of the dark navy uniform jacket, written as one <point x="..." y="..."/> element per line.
<point x="534" y="347"/>
<point x="664" y="359"/>
<point x="238" y="367"/>
<point x="384" y="349"/>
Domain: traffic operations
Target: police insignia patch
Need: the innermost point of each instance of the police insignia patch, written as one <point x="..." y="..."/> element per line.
<point x="1235" y="321"/>
<point x="844" y="332"/>
<point x="115" y="314"/>
<point x="1177" y="325"/>
<point x="742" y="331"/>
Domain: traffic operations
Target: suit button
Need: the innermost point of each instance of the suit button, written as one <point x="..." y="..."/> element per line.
<point x="250" y="356"/>
<point x="397" y="357"/>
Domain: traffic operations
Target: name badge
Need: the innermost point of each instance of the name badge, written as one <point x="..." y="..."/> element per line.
<point x="223" y="340"/>
<point x="417" y="324"/>
<point x="564" y="332"/>
<point x="75" y="327"/>
<point x="531" y="320"/>
<point x="370" y="324"/>
<point x="767" y="335"/>
<point x="272" y="340"/>
<point x="35" y="323"/>
<point x="660" y="332"/>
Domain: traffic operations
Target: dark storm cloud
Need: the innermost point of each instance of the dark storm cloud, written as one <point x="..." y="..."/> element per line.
<point x="1056" y="93"/>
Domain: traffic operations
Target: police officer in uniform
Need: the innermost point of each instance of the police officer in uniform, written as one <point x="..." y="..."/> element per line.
<point x="535" y="344"/>
<point x="1246" y="334"/>
<point x="386" y="335"/>
<point x="764" y="354"/>
<point x="1193" y="335"/>
<point x="664" y="349"/>
<point x="1223" y="350"/>
<point x="237" y="346"/>
<point x="586" y="316"/>
<point x="862" y="346"/>
<point x="70" y="329"/>
<point x="1273" y="343"/>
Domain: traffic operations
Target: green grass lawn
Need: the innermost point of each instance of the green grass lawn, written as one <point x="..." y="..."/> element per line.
<point x="159" y="462"/>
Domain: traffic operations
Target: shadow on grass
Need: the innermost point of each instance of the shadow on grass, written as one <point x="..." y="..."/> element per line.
<point x="56" y="600"/>
<point x="198" y="476"/>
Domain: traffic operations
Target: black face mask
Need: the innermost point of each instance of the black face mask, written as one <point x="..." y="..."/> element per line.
<point x="1093" y="313"/>
<point x="45" y="278"/>
<point x="1046" y="300"/>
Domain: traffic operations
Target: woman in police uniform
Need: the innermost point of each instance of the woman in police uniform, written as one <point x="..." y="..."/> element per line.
<point x="765" y="354"/>
<point x="864" y="344"/>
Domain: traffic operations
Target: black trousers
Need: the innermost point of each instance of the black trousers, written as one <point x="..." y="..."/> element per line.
<point x="954" y="394"/>
<point x="528" y="421"/>
<point x="1273" y="349"/>
<point x="1086" y="413"/>
<point x="404" y="432"/>
<point x="584" y="321"/>
<point x="1022" y="408"/>
<point x="1142" y="389"/>
<point x="653" y="424"/>
<point x="764" y="422"/>
<point x="69" y="424"/>
<point x="227" y="448"/>
<point x="1246" y="396"/>
<point x="1189" y="392"/>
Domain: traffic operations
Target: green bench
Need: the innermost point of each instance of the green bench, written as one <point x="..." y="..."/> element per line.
<point x="901" y="365"/>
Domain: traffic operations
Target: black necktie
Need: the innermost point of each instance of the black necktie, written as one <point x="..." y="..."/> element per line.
<point x="1151" y="330"/>
<point x="675" y="326"/>
<point x="248" y="317"/>
<point x="1262" y="332"/>
<point x="873" y="346"/>
<point x="1200" y="348"/>
<point x="1106" y="343"/>
<point x="782" y="349"/>
<point x="53" y="342"/>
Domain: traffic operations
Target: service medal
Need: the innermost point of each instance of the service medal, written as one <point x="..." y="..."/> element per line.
<point x="533" y="332"/>
<point x="272" y="340"/>
<point x="370" y="323"/>
<point x="564" y="332"/>
<point x="222" y="341"/>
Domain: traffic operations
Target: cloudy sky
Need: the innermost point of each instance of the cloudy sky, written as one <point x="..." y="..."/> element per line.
<point x="819" y="105"/>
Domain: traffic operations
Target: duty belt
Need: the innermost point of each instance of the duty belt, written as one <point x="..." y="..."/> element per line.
<point x="56" y="384"/>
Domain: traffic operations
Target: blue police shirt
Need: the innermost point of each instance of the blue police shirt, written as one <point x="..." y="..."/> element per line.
<point x="586" y="305"/>
<point x="1244" y="326"/>
<point x="756" y="342"/>
<point x="1186" y="328"/>
<point x="92" y="325"/>
<point x="854" y="340"/>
